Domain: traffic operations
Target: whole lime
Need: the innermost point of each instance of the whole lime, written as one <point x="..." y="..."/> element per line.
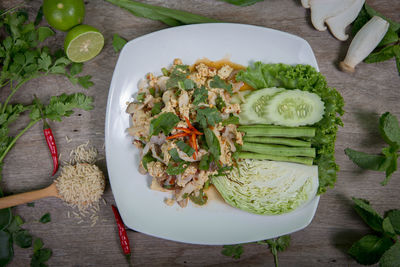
<point x="82" y="43"/>
<point x="64" y="14"/>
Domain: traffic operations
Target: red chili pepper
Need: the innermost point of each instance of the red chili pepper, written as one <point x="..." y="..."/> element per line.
<point x="51" y="143"/>
<point x="123" y="237"/>
<point x="177" y="135"/>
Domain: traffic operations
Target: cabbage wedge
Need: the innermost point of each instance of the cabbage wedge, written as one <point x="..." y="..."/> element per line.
<point x="268" y="187"/>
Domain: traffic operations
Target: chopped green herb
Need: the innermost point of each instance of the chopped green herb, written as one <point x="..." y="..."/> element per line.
<point x="175" y="155"/>
<point x="118" y="42"/>
<point x="200" y="95"/>
<point x="208" y="117"/>
<point x="204" y="163"/>
<point x="234" y="251"/>
<point x="185" y="148"/>
<point x="220" y="103"/>
<point x="140" y="97"/>
<point x="163" y="123"/>
<point x="231" y="120"/>
<point x="147" y="159"/>
<point x="45" y="218"/>
<point x="156" y="109"/>
<point x="217" y="82"/>
<point x="174" y="169"/>
<point x="200" y="198"/>
<point x="277" y="244"/>
<point x="152" y="91"/>
<point x="178" y="74"/>
<point x="212" y="143"/>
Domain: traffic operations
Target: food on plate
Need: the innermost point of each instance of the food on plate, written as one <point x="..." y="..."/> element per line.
<point x="264" y="136"/>
<point x="268" y="187"/>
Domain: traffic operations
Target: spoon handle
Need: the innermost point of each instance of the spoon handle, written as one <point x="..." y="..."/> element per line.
<point x="18" y="199"/>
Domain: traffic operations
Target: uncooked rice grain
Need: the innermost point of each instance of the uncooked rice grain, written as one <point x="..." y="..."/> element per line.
<point x="83" y="154"/>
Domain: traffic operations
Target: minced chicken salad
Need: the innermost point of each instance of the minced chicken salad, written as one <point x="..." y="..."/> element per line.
<point x="255" y="133"/>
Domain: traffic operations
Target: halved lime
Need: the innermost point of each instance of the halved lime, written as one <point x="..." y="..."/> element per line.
<point x="83" y="43"/>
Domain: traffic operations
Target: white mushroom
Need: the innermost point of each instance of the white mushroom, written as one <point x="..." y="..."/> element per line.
<point x="338" y="24"/>
<point x="324" y="9"/>
<point x="365" y="41"/>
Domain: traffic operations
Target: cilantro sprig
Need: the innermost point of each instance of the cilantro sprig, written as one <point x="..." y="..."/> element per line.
<point x="382" y="246"/>
<point x="387" y="160"/>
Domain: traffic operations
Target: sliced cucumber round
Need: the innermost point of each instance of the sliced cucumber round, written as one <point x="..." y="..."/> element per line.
<point x="252" y="110"/>
<point x="294" y="108"/>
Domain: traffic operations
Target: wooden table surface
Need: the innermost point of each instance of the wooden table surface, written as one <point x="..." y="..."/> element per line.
<point x="369" y="92"/>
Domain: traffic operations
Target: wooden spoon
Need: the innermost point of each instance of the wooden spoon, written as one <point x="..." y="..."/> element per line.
<point x="18" y="199"/>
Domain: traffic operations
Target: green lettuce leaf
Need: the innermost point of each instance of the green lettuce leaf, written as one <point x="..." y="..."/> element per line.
<point x="306" y="78"/>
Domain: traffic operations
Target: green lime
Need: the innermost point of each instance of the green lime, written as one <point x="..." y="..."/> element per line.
<point x="82" y="43"/>
<point x="64" y="14"/>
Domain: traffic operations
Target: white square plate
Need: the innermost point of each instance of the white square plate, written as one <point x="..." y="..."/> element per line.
<point x="142" y="209"/>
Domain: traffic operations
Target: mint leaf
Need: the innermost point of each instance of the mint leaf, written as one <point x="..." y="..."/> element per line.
<point x="175" y="169"/>
<point x="388" y="227"/>
<point x="217" y="82"/>
<point x="178" y="74"/>
<point x="391" y="258"/>
<point x="208" y="116"/>
<point x="156" y="109"/>
<point x="367" y="161"/>
<point x="45" y="218"/>
<point x="200" y="95"/>
<point x="147" y="159"/>
<point x="369" y="249"/>
<point x="394" y="216"/>
<point x="44" y="33"/>
<point x="368" y="214"/>
<point x="175" y="155"/>
<point x="390" y="129"/>
<point x="163" y="123"/>
<point x="371" y="12"/>
<point x="204" y="163"/>
<point x="23" y="239"/>
<point x="234" y="251"/>
<point x="118" y="42"/>
<point x="185" y="148"/>
<point x="382" y="55"/>
<point x="212" y="143"/>
<point x="231" y="120"/>
<point x="391" y="159"/>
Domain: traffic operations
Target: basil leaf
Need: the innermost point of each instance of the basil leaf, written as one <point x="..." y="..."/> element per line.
<point x="6" y="249"/>
<point x="163" y="123"/>
<point x="394" y="216"/>
<point x="185" y="148"/>
<point x="175" y="155"/>
<point x="366" y="161"/>
<point x="391" y="257"/>
<point x="368" y="214"/>
<point x="23" y="239"/>
<point x="369" y="249"/>
<point x="178" y="169"/>
<point x="212" y="143"/>
<point x="45" y="218"/>
<point x="390" y="129"/>
<point x="242" y="2"/>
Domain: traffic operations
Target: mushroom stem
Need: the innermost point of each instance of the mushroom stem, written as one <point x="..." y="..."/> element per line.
<point x="365" y="41"/>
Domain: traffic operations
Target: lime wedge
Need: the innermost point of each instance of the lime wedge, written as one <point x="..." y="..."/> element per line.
<point x="83" y="43"/>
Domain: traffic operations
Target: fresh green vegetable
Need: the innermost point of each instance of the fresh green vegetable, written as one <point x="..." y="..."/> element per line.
<point x="277" y="141"/>
<point x="118" y="42"/>
<point x="242" y="2"/>
<point x="175" y="155"/>
<point x="156" y="109"/>
<point x="23" y="239"/>
<point x="178" y="75"/>
<point x="208" y="117"/>
<point x="200" y="198"/>
<point x="249" y="155"/>
<point x="200" y="95"/>
<point x="277" y="131"/>
<point x="231" y="120"/>
<point x="163" y="123"/>
<point x="147" y="159"/>
<point x="171" y="17"/>
<point x="382" y="246"/>
<point x="389" y="47"/>
<point x="234" y="251"/>
<point x="213" y="144"/>
<point x="277" y="244"/>
<point x="387" y="161"/>
<point x="294" y="108"/>
<point x="40" y="255"/>
<point x="217" y="82"/>
<point x="267" y="187"/>
<point x="45" y="218"/>
<point x="278" y="150"/>
<point x="185" y="148"/>
<point x="306" y="78"/>
<point x="175" y="169"/>
<point x="252" y="110"/>
<point x="6" y="248"/>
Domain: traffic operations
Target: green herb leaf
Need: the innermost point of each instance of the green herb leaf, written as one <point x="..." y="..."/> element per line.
<point x="5" y="218"/>
<point x="277" y="244"/>
<point x="200" y="95"/>
<point x="217" y="82"/>
<point x="204" y="163"/>
<point x="171" y="17"/>
<point x="383" y="54"/>
<point x="45" y="218"/>
<point x="156" y="109"/>
<point x="85" y="81"/>
<point x="367" y="161"/>
<point x="388" y="227"/>
<point x="118" y="42"/>
<point x="185" y="148"/>
<point x="391" y="159"/>
<point x="147" y="159"/>
<point x="173" y="169"/>
<point x="391" y="257"/>
<point x="37" y="245"/>
<point x="369" y="249"/>
<point x="44" y="33"/>
<point x="394" y="216"/>
<point x="200" y="198"/>
<point x="212" y="143"/>
<point x="163" y="123"/>
<point x="208" y="116"/>
<point x="23" y="239"/>
<point x="234" y="251"/>
<point x="39" y="16"/>
<point x="368" y="214"/>
<point x="390" y="129"/>
<point x="178" y="74"/>
<point x="40" y="257"/>
<point x="231" y="120"/>
<point x="6" y="249"/>
<point x="389" y="38"/>
<point x="220" y="103"/>
<point x="175" y="155"/>
<point x="395" y="26"/>
<point x="76" y="68"/>
<point x="242" y="2"/>
<point x="15" y="224"/>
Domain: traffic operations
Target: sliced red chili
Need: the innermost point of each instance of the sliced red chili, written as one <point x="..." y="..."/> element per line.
<point x="177" y="135"/>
